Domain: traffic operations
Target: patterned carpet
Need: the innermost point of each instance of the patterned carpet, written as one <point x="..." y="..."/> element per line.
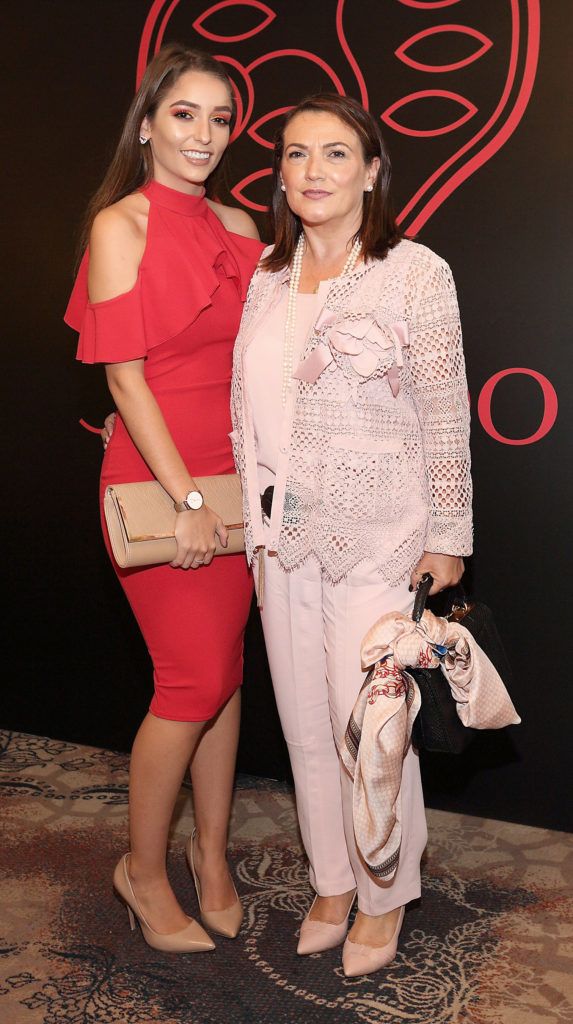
<point x="491" y="942"/>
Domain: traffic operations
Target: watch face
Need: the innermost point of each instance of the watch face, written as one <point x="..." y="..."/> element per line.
<point x="194" y="499"/>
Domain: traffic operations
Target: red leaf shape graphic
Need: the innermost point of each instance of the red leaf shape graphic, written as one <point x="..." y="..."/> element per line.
<point x="428" y="5"/>
<point x="238" y="190"/>
<point x="437" y="30"/>
<point x="424" y="133"/>
<point x="253" y="131"/>
<point x="305" y="55"/>
<point x="199" y="23"/>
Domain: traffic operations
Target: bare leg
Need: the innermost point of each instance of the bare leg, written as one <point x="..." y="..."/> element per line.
<point x="212" y="775"/>
<point x="160" y="755"/>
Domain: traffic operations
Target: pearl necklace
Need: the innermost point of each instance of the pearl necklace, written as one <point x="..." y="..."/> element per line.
<point x="290" y="325"/>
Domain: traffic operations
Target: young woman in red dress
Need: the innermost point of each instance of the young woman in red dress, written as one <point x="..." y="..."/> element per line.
<point x="158" y="301"/>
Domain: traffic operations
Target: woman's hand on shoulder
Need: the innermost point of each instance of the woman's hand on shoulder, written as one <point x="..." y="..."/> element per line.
<point x="117" y="242"/>
<point x="447" y="571"/>
<point x="196" y="533"/>
<point x="237" y="221"/>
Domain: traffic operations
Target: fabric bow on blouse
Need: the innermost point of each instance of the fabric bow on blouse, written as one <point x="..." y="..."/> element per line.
<point x="380" y="726"/>
<point x="359" y="340"/>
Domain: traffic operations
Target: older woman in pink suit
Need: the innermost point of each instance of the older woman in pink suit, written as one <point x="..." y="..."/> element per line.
<point x="350" y="410"/>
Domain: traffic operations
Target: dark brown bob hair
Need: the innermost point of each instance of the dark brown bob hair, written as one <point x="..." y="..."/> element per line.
<point x="378" y="231"/>
<point x="132" y="165"/>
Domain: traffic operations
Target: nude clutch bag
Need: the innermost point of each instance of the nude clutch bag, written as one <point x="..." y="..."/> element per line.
<point x="141" y="518"/>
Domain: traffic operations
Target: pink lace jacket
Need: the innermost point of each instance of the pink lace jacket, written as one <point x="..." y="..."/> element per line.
<point x="374" y="449"/>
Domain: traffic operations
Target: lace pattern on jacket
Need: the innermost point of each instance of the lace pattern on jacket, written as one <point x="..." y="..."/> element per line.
<point x="378" y="464"/>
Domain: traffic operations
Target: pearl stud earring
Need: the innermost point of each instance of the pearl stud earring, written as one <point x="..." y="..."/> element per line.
<point x="143" y="140"/>
<point x="283" y="188"/>
<point x="369" y="188"/>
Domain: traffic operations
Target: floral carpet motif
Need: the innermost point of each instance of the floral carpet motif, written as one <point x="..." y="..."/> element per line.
<point x="491" y="941"/>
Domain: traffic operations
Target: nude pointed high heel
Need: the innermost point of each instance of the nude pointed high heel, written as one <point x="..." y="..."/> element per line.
<point x="191" y="939"/>
<point x="225" y="922"/>
<point x="358" y="959"/>
<point x="317" y="936"/>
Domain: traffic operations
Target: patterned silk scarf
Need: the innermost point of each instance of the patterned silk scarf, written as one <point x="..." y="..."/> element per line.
<point x="380" y="726"/>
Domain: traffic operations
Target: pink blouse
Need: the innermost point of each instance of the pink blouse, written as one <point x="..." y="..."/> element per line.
<point x="263" y="363"/>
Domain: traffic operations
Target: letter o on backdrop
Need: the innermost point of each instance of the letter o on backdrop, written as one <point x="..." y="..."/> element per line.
<point x="550" y="406"/>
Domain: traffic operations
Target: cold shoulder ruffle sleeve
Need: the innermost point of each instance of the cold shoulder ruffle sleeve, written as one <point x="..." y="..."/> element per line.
<point x="171" y="289"/>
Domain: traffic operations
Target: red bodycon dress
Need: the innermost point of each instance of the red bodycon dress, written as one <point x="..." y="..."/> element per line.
<point x="182" y="316"/>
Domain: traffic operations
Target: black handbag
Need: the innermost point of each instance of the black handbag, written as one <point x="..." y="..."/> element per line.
<point x="437" y="726"/>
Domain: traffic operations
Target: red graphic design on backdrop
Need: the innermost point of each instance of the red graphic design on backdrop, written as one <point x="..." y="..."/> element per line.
<point x="402" y="51"/>
<point x="428" y="4"/>
<point x="493" y="126"/>
<point x="199" y="25"/>
<point x="421" y="133"/>
<point x="550" y="406"/>
<point x="495" y="132"/>
<point x="476" y="131"/>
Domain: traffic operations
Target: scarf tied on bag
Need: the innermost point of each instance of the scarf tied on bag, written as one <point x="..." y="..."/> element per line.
<point x="380" y="726"/>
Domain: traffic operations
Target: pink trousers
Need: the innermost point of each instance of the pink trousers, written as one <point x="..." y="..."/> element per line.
<point x="313" y="631"/>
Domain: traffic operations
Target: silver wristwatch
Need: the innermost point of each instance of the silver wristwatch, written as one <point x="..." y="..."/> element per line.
<point x="191" y="502"/>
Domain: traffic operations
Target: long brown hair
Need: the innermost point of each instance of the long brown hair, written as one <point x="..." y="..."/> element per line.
<point x="132" y="164"/>
<point x="378" y="231"/>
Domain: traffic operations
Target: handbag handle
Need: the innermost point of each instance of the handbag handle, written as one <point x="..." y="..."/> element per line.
<point x="460" y="604"/>
<point x="422" y="591"/>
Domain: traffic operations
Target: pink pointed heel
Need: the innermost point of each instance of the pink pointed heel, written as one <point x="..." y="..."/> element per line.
<point x="317" y="936"/>
<point x="191" y="939"/>
<point x="225" y="922"/>
<point x="358" y="959"/>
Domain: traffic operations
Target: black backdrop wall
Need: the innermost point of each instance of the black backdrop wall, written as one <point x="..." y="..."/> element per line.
<point x="473" y="100"/>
